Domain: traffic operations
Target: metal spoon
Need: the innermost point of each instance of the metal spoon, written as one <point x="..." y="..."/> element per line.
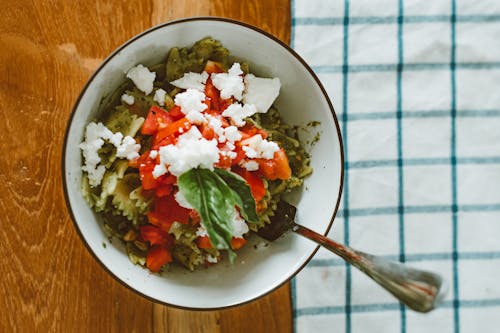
<point x="420" y="290"/>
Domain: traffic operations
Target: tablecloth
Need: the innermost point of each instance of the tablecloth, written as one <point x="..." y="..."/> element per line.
<point x="416" y="88"/>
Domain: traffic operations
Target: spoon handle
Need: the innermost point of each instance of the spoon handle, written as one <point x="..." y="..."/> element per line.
<point x="420" y="290"/>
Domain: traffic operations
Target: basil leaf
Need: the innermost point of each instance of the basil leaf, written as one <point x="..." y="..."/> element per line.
<point x="214" y="201"/>
<point x="242" y="194"/>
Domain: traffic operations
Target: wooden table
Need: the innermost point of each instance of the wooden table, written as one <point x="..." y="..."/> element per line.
<point x="49" y="281"/>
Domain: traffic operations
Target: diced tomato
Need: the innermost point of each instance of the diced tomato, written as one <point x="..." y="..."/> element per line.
<point x="156" y="219"/>
<point x="240" y="154"/>
<point x="158" y="255"/>
<point x="237" y="243"/>
<point x="277" y="167"/>
<point x="155" y="118"/>
<point x="249" y="130"/>
<point x="214" y="67"/>
<point x="167" y="179"/>
<point x="156" y="236"/>
<point x="203" y="242"/>
<point x="170" y="210"/>
<point x="177" y="127"/>
<point x="175" y="113"/>
<point x="195" y="217"/>
<point x="213" y="95"/>
<point x="169" y="140"/>
<point x="207" y="132"/>
<point x="163" y="190"/>
<point x="224" y="162"/>
<point x="148" y="181"/>
<point x="254" y="181"/>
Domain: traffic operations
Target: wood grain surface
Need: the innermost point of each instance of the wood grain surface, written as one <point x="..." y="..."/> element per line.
<point x="49" y="282"/>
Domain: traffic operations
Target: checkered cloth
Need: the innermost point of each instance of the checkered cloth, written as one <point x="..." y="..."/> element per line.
<point x="416" y="88"/>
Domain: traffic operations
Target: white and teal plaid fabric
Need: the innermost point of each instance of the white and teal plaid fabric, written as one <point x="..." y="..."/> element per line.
<point x="416" y="88"/>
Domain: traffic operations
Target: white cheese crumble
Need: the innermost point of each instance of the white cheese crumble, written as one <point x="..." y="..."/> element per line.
<point x="240" y="227"/>
<point x="160" y="96"/>
<point x="230" y="83"/>
<point x="191" y="151"/>
<point x="192" y="81"/>
<point x="201" y="231"/>
<point x="153" y="153"/>
<point x="256" y="147"/>
<point x="181" y="200"/>
<point x="191" y="103"/>
<point x="238" y="113"/>
<point x="250" y="165"/>
<point x="211" y="259"/>
<point x="142" y="78"/>
<point x="129" y="99"/>
<point x="216" y="124"/>
<point x="95" y="134"/>
<point x="261" y="92"/>
<point x="128" y="149"/>
<point x="232" y="134"/>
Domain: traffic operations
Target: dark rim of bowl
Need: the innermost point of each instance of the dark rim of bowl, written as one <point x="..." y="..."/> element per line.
<point x="111" y="56"/>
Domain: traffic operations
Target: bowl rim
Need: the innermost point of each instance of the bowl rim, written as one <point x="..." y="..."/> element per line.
<point x="98" y="70"/>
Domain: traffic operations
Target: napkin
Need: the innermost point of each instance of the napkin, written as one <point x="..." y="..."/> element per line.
<point x="416" y="88"/>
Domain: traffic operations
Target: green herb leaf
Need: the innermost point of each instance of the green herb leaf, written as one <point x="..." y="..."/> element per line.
<point x="242" y="194"/>
<point x="214" y="201"/>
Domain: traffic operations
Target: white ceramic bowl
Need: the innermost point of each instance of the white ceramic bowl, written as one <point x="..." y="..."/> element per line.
<point x="302" y="99"/>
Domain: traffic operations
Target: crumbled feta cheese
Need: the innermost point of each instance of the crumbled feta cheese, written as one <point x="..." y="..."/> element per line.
<point x="142" y="78"/>
<point x="191" y="151"/>
<point x="240" y="227"/>
<point x="216" y="124"/>
<point x="90" y="149"/>
<point x="211" y="259"/>
<point x="201" y="231"/>
<point x="232" y="134"/>
<point x="256" y="147"/>
<point x="129" y="99"/>
<point x="238" y="113"/>
<point x="261" y="92"/>
<point x="181" y="200"/>
<point x="128" y="149"/>
<point x="230" y="83"/>
<point x="191" y="103"/>
<point x="250" y="165"/>
<point x="231" y="154"/>
<point x="153" y="153"/>
<point x="160" y="96"/>
<point x="195" y="117"/>
<point x="192" y="81"/>
<point x="159" y="170"/>
<point x="95" y="134"/>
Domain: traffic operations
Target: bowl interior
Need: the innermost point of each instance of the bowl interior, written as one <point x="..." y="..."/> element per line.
<point x="260" y="267"/>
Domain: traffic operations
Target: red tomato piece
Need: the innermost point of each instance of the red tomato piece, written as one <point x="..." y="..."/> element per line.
<point x="148" y="181"/>
<point x="156" y="236"/>
<point x="177" y="127"/>
<point x="224" y="162"/>
<point x="240" y="154"/>
<point x="156" y="117"/>
<point x="170" y="211"/>
<point x="163" y="190"/>
<point x="203" y="242"/>
<point x="214" y="67"/>
<point x="254" y="181"/>
<point x="237" y="243"/>
<point x="213" y="95"/>
<point x="175" y="113"/>
<point x="276" y="168"/>
<point x="156" y="219"/>
<point x="158" y="255"/>
<point x="195" y="217"/>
